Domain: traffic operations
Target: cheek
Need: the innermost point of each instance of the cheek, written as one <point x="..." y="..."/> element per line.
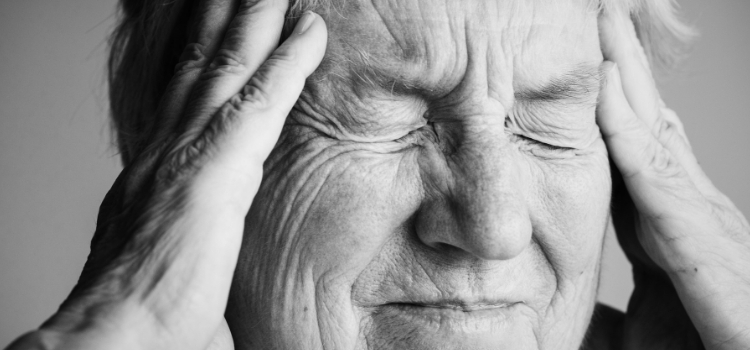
<point x="323" y="212"/>
<point x="327" y="200"/>
<point x="570" y="210"/>
<point x="335" y="206"/>
<point x="361" y="200"/>
<point x="570" y="204"/>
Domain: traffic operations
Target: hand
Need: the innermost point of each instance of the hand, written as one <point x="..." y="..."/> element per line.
<point x="681" y="228"/>
<point x="169" y="230"/>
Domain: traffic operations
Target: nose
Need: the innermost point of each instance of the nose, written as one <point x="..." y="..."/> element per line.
<point x="476" y="203"/>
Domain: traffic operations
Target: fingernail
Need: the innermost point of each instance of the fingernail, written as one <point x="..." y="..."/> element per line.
<point x="304" y="23"/>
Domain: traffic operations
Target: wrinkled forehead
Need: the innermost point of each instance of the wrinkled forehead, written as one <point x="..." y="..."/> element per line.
<point x="431" y="44"/>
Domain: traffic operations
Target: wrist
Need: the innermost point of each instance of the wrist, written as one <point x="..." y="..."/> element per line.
<point x="110" y="328"/>
<point x="656" y="318"/>
<point x="720" y="314"/>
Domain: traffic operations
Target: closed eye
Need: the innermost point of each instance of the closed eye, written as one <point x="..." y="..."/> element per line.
<point x="544" y="145"/>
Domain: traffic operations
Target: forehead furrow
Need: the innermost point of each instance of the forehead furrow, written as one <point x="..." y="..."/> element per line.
<point x="427" y="47"/>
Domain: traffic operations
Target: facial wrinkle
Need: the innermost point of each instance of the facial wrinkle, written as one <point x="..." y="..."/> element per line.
<point x="427" y="36"/>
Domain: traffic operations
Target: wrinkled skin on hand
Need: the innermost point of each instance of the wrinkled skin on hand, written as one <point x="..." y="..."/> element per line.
<point x="169" y="230"/>
<point x="689" y="245"/>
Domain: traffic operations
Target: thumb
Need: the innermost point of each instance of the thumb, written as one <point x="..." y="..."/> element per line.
<point x="659" y="185"/>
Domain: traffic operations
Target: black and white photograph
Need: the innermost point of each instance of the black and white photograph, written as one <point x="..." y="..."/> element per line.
<point x="374" y="174"/>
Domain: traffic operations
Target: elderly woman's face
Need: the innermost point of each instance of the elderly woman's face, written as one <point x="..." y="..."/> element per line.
<point x="441" y="184"/>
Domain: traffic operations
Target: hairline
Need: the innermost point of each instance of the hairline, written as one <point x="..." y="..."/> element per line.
<point x="147" y="42"/>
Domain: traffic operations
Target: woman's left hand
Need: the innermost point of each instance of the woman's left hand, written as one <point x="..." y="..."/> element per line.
<point x="684" y="226"/>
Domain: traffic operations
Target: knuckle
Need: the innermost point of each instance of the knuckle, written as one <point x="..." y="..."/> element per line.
<point x="223" y="118"/>
<point x="673" y="119"/>
<point x="670" y="115"/>
<point x="255" y="95"/>
<point x="670" y="135"/>
<point x="258" y="92"/>
<point x="228" y="62"/>
<point x="233" y="106"/>
<point x="285" y="57"/>
<point x="663" y="167"/>
<point x="660" y="161"/>
<point x="182" y="162"/>
<point x="663" y="128"/>
<point x="193" y="58"/>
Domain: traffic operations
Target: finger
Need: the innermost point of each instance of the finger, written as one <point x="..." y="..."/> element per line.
<point x="625" y="134"/>
<point x="252" y="36"/>
<point x="247" y="127"/>
<point x="620" y="44"/>
<point x="671" y="135"/>
<point x="208" y="21"/>
<point x="654" y="177"/>
<point x="671" y="117"/>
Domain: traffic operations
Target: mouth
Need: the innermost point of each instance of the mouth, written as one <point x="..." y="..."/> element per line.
<point x="456" y="315"/>
<point x="456" y="305"/>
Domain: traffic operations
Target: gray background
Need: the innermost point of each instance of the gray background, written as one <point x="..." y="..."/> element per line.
<point x="56" y="162"/>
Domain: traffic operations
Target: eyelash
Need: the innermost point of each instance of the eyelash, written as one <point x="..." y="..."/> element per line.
<point x="544" y="150"/>
<point x="548" y="150"/>
<point x="542" y="144"/>
<point x="546" y="147"/>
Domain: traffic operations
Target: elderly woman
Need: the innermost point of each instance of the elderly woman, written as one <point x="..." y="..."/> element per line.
<point x="442" y="180"/>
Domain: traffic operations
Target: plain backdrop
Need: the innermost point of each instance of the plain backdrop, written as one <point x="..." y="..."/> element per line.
<point x="57" y="162"/>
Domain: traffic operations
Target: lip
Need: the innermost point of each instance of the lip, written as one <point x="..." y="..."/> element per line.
<point x="458" y="305"/>
<point x="452" y="315"/>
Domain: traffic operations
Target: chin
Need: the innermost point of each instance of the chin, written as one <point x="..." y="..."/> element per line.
<point x="410" y="326"/>
<point x="512" y="326"/>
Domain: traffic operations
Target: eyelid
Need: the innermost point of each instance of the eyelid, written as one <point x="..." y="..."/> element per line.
<point x="511" y="126"/>
<point x="563" y="130"/>
<point x="544" y="144"/>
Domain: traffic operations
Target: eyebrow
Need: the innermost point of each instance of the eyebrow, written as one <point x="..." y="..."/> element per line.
<point x="370" y="77"/>
<point x="578" y="85"/>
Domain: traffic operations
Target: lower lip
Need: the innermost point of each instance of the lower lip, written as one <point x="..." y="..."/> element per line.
<point x="481" y="319"/>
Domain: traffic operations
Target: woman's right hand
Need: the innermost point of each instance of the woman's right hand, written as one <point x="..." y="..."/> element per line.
<point x="169" y="231"/>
